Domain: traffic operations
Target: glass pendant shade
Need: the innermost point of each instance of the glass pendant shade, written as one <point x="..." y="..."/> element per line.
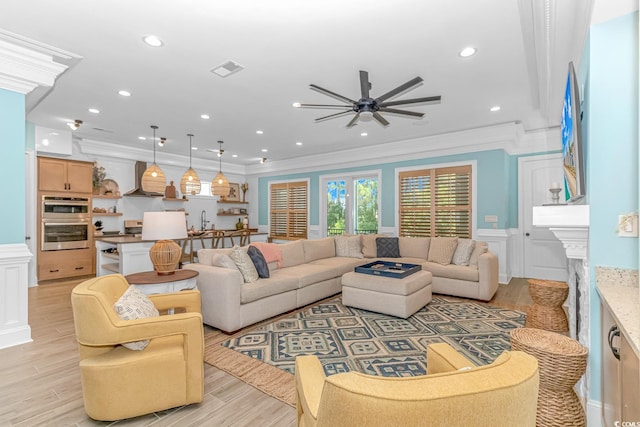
<point x="220" y="185"/>
<point x="153" y="179"/>
<point x="190" y="182"/>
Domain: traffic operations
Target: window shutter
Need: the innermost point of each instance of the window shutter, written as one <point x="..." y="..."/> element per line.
<point x="435" y="202"/>
<point x="288" y="210"/>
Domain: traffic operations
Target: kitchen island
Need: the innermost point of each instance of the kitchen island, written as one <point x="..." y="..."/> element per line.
<point x="122" y="254"/>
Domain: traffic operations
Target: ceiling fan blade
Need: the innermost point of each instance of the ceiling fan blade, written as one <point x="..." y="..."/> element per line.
<point x="328" y="106"/>
<point x="365" y="86"/>
<point x="426" y="100"/>
<point x="402" y="88"/>
<point x="331" y="94"/>
<point x="353" y="121"/>
<point x="332" y="116"/>
<point x="401" y="112"/>
<point x="381" y="120"/>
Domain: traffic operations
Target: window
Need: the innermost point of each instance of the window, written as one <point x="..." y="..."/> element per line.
<point x="436" y="202"/>
<point x="288" y="210"/>
<point x="351" y="205"/>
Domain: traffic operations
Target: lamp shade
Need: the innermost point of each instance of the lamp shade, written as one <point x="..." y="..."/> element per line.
<point x="153" y="179"/>
<point x="164" y="226"/>
<point x="165" y="254"/>
<point x="220" y="185"/>
<point x="190" y="183"/>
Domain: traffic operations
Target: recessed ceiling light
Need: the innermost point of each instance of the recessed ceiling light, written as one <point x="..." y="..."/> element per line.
<point x="45" y="141"/>
<point x="124" y="93"/>
<point x="234" y="155"/>
<point x="94" y="110"/>
<point x="205" y="116"/>
<point x="142" y="138"/>
<point x="364" y="134"/>
<point x="264" y="150"/>
<point x="152" y="41"/>
<point x="259" y="132"/>
<point x="495" y="108"/>
<point x="468" y="51"/>
<point x="298" y="143"/>
<point x="194" y="148"/>
<point x="296" y="104"/>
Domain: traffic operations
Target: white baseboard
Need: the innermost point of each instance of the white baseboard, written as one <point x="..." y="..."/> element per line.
<point x="16" y="336"/>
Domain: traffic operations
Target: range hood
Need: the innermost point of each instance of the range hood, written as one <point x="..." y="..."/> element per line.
<point x="138" y="191"/>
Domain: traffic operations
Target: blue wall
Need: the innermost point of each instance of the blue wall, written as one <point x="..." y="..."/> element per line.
<point x="12" y="172"/>
<point x="496" y="187"/>
<point x="611" y="129"/>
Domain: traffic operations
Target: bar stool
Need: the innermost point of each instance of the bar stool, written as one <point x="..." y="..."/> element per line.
<point x="547" y="312"/>
<point x="561" y="362"/>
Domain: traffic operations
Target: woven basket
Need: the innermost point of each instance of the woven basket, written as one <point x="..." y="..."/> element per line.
<point x="547" y="312"/>
<point x="561" y="361"/>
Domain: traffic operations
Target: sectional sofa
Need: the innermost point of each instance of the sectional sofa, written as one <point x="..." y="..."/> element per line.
<point x="311" y="270"/>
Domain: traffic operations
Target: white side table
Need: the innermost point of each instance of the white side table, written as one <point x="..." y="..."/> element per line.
<point x="150" y="282"/>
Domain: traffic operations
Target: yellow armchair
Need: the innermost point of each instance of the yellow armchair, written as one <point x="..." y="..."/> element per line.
<point x="453" y="393"/>
<point x="120" y="383"/>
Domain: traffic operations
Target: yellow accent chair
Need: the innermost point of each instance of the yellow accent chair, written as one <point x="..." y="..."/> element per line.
<point x="453" y="393"/>
<point x="120" y="383"/>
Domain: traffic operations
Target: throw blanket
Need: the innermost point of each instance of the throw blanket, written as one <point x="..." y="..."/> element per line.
<point x="270" y="251"/>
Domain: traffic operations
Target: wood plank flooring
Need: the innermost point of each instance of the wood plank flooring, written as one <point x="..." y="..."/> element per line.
<point x="40" y="381"/>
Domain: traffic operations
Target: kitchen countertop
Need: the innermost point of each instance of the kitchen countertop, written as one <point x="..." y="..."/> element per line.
<point x="120" y="239"/>
<point x="619" y="292"/>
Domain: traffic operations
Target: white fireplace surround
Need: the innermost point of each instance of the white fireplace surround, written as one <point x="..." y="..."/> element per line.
<point x="570" y="224"/>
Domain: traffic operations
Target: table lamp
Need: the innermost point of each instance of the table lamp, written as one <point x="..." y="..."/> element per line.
<point x="164" y="227"/>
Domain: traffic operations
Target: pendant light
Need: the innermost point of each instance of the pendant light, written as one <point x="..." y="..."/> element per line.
<point x="190" y="182"/>
<point x="153" y="179"/>
<point x="220" y="184"/>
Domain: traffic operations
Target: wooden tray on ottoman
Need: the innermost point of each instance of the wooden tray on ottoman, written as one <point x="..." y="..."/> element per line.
<point x="396" y="270"/>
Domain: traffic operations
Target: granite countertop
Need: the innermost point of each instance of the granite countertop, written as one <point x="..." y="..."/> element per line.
<point x="618" y="289"/>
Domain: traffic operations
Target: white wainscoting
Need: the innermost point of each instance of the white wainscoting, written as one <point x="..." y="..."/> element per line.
<point x="502" y="242"/>
<point x="14" y="301"/>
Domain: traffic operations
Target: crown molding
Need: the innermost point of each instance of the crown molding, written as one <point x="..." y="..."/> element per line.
<point x="26" y="64"/>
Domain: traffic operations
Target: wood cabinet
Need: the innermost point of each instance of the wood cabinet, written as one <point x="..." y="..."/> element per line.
<point x="620" y="374"/>
<point x="61" y="175"/>
<point x="63" y="264"/>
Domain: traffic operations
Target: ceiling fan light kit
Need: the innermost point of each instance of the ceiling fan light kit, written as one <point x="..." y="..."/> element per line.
<point x="153" y="179"/>
<point x="367" y="108"/>
<point x="190" y="182"/>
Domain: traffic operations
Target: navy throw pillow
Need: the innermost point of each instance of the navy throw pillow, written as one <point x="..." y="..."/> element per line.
<point x="259" y="262"/>
<point x="387" y="247"/>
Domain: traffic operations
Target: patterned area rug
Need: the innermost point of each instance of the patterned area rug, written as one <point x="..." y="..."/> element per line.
<point x="349" y="339"/>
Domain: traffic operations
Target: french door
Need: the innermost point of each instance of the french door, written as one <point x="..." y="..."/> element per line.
<point x="351" y="204"/>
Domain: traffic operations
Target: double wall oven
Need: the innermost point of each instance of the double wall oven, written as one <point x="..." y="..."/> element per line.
<point x="66" y="223"/>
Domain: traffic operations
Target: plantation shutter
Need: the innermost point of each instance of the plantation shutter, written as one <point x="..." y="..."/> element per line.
<point x="435" y="202"/>
<point x="288" y="210"/>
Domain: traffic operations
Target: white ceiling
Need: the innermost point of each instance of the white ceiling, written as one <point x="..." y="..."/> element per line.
<point x="285" y="45"/>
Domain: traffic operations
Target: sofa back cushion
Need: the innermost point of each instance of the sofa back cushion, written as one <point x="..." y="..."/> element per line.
<point x="349" y="246"/>
<point x="414" y="247"/>
<point x="205" y="256"/>
<point x="463" y="252"/>
<point x="292" y="253"/>
<point x="319" y="249"/>
<point x="387" y="247"/>
<point x="369" y="247"/>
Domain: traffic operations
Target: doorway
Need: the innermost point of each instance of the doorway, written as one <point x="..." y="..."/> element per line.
<point x="350" y="204"/>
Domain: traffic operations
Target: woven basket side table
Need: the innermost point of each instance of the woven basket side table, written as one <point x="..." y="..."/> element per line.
<point x="561" y="362"/>
<point x="547" y="312"/>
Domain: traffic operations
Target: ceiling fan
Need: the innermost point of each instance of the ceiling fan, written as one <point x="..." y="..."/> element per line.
<point x="367" y="108"/>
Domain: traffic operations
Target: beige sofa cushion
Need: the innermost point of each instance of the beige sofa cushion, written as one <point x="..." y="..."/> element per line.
<point x="319" y="248"/>
<point x="414" y="247"/>
<point x="369" y="248"/>
<point x="205" y="256"/>
<point x="463" y="252"/>
<point x="349" y="246"/>
<point x="278" y="283"/>
<point x="309" y="274"/>
<point x="459" y="272"/>
<point x="292" y="253"/>
<point x="481" y="247"/>
<point x="441" y="249"/>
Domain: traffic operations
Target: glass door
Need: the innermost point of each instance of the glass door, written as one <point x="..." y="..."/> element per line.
<point x="351" y="205"/>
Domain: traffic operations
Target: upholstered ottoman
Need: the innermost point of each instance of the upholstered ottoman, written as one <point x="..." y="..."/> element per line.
<point x="397" y="297"/>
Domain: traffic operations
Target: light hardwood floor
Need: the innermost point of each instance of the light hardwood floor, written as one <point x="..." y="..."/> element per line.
<point x="40" y="381"/>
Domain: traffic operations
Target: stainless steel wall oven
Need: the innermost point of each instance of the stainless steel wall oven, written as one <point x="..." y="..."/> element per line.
<point x="66" y="223"/>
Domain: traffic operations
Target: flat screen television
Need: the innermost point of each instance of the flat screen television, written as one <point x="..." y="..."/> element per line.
<point x="572" y="149"/>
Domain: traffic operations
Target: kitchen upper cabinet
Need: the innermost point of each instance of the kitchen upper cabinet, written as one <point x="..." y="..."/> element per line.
<point x="64" y="175"/>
